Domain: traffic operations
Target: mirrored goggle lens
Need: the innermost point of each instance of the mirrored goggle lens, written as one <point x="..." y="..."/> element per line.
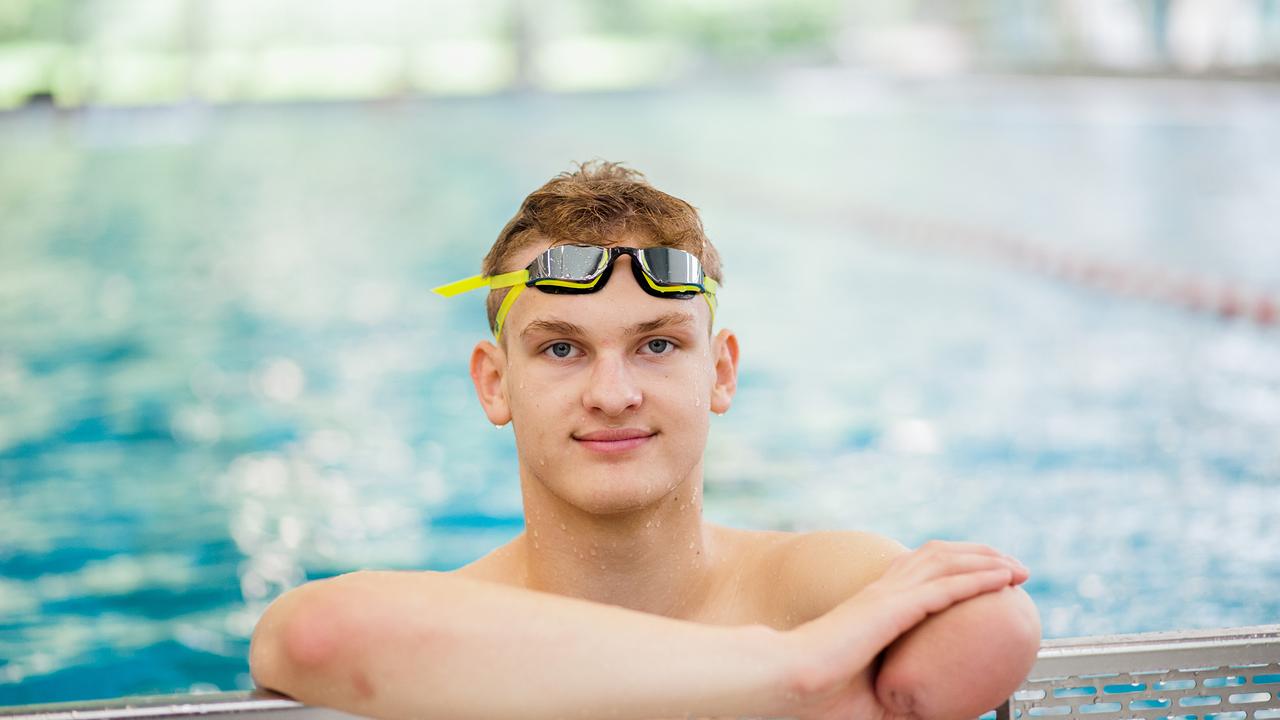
<point x="668" y="266"/>
<point x="568" y="262"/>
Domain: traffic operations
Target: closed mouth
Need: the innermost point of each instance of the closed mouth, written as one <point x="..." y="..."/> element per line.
<point x="614" y="440"/>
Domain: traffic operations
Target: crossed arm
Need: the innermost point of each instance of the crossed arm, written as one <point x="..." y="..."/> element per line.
<point x="943" y="633"/>
<point x="942" y="658"/>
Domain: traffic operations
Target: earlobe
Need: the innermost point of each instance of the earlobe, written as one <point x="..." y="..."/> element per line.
<point x="488" y="363"/>
<point x="724" y="349"/>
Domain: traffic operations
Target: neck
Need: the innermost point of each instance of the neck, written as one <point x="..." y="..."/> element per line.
<point x="657" y="559"/>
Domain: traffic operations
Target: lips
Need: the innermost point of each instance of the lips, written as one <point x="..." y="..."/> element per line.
<point x="614" y="440"/>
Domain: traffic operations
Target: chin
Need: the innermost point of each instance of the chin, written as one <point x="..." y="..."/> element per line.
<point x="609" y="489"/>
<point x="616" y="493"/>
<point x="618" y="500"/>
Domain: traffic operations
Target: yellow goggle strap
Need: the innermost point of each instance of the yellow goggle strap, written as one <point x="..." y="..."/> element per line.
<point x="476" y="282"/>
<point x="514" y="280"/>
<point x="712" y="287"/>
<point x="504" y="308"/>
<point x="461" y="286"/>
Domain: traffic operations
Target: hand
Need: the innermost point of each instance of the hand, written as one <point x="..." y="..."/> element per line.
<point x="839" y="649"/>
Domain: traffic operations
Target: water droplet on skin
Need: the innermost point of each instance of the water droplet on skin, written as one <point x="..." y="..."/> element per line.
<point x="562" y="526"/>
<point x="602" y="567"/>
<point x="649" y="524"/>
<point x="690" y="546"/>
<point x="593" y="552"/>
<point x="535" y="544"/>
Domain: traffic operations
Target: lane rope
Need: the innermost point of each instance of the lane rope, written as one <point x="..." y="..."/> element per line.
<point x="1223" y="298"/>
<point x="1199" y="293"/>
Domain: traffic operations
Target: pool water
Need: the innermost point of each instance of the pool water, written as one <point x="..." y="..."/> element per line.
<point x="222" y="372"/>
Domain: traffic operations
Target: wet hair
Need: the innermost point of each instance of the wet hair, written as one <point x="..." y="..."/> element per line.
<point x="598" y="204"/>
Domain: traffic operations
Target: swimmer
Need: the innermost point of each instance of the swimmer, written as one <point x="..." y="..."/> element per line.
<point x="618" y="600"/>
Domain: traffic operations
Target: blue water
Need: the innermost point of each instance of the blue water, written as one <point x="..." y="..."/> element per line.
<point x="222" y="373"/>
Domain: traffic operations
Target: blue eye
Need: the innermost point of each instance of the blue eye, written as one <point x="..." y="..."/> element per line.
<point x="658" y="346"/>
<point x="560" y="349"/>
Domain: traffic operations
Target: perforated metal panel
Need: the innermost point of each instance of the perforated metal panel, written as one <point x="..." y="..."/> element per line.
<point x="1199" y="675"/>
<point x="255" y="705"/>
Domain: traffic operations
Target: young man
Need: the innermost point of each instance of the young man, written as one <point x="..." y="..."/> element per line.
<point x="618" y="600"/>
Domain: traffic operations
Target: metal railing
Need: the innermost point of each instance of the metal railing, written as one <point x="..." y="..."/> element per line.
<point x="240" y="705"/>
<point x="1229" y="674"/>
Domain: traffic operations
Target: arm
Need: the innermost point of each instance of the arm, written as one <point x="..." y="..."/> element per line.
<point x="964" y="660"/>
<point x="941" y="659"/>
<point x="399" y="645"/>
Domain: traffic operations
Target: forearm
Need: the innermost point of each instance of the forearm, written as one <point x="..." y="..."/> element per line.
<point x="399" y="645"/>
<point x="964" y="660"/>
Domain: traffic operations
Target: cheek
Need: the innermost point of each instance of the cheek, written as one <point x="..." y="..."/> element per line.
<point x="539" y="402"/>
<point x="688" y="439"/>
<point x="533" y="427"/>
<point x="684" y="392"/>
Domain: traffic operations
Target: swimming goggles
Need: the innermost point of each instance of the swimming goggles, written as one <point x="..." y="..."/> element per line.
<point x="574" y="269"/>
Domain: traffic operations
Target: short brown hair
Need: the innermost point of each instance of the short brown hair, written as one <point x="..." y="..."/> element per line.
<point x="594" y="205"/>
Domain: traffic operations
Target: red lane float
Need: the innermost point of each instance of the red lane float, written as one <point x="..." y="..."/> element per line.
<point x="1226" y="300"/>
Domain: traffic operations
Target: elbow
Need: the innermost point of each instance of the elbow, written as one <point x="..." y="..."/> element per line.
<point x="1022" y="639"/>
<point x="296" y="640"/>
<point x="266" y="648"/>
<point x="1019" y="643"/>
<point x="964" y="661"/>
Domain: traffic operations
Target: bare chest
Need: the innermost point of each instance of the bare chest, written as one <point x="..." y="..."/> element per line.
<point x="746" y="588"/>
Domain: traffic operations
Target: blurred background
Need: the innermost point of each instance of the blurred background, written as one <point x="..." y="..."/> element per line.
<point x="1035" y="302"/>
<point x="131" y="52"/>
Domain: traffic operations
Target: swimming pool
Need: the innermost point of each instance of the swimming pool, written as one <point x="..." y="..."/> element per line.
<point x="222" y="372"/>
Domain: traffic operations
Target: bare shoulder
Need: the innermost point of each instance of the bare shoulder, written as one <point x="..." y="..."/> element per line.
<point x="498" y="566"/>
<point x="851" y="549"/>
<point x="821" y="569"/>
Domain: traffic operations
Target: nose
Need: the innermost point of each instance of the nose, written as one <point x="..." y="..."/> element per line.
<point x="611" y="389"/>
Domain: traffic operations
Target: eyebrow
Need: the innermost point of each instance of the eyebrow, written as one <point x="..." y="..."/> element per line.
<point x="670" y="320"/>
<point x="553" y="327"/>
<point x="562" y="327"/>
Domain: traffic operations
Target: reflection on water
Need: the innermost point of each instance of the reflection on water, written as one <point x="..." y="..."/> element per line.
<point x="222" y="373"/>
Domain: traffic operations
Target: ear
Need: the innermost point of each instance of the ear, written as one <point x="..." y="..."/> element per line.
<point x="724" y="349"/>
<point x="488" y="364"/>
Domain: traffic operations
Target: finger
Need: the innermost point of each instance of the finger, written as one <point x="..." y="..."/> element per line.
<point x="928" y="567"/>
<point x="910" y="607"/>
<point x="959" y="546"/>
<point x="1020" y="574"/>
<point x="945" y="592"/>
<point x="938" y="552"/>
<point x="934" y="548"/>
